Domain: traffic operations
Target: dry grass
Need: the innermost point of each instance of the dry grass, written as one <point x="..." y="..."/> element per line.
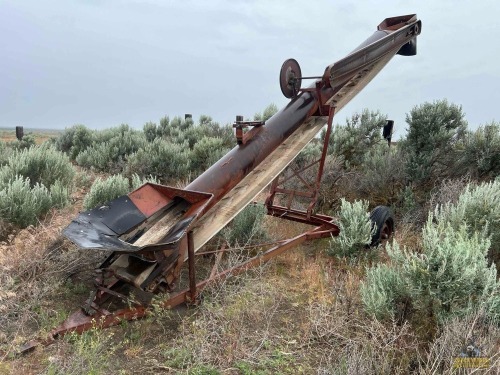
<point x="455" y="337"/>
<point x="40" y="273"/>
<point x="409" y="235"/>
<point x="301" y="313"/>
<point x="448" y="191"/>
<point x="41" y="135"/>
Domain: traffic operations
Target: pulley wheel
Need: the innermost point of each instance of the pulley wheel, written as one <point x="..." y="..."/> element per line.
<point x="290" y="78"/>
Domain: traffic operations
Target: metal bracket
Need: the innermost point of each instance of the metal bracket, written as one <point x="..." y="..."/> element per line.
<point x="240" y="126"/>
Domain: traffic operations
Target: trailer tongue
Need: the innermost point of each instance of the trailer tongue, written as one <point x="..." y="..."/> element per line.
<point x="151" y="232"/>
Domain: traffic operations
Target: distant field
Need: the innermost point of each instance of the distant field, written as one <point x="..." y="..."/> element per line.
<point x="41" y="135"/>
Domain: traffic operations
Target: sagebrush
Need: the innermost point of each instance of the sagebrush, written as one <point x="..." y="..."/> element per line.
<point x="356" y="229"/>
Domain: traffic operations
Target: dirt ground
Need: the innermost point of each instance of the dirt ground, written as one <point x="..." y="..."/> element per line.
<point x="41" y="135"/>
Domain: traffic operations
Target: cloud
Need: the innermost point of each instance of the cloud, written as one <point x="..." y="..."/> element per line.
<point x="102" y="63"/>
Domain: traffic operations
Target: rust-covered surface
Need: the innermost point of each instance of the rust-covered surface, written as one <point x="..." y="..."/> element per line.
<point x="271" y="147"/>
<point x="152" y="231"/>
<point x="287" y="133"/>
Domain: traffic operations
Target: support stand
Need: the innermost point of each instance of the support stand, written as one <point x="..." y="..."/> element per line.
<point x="311" y="190"/>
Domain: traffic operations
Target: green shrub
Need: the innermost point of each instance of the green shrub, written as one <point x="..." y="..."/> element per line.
<point x="478" y="208"/>
<point x="31" y="182"/>
<point x="74" y="140"/>
<point x="173" y="130"/>
<point x="355" y="229"/>
<point x="385" y="293"/>
<point x="161" y="159"/>
<point x="208" y="128"/>
<point x="434" y="131"/>
<point x="22" y="203"/>
<point x="181" y="124"/>
<point x="481" y="153"/>
<point x="408" y="206"/>
<point x="163" y="129"/>
<point x="111" y="154"/>
<point x="206" y="152"/>
<point x="452" y="272"/>
<point x="4" y="153"/>
<point x="136" y="181"/>
<point x="40" y="164"/>
<point x="83" y="179"/>
<point x="381" y="176"/>
<point x="27" y="141"/>
<point x="181" y="131"/>
<point x="359" y="135"/>
<point x="59" y="194"/>
<point x="268" y="112"/>
<point x="449" y="277"/>
<point x="310" y="153"/>
<point x="103" y="191"/>
<point x="247" y="226"/>
<point x="150" y="131"/>
<point x="107" y="134"/>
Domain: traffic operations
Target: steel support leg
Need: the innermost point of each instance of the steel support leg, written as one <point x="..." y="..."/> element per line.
<point x="192" y="274"/>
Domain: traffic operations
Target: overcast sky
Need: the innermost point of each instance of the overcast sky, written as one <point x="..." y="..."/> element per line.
<point x="106" y="62"/>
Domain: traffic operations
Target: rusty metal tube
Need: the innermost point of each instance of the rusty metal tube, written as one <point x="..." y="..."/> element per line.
<point x="242" y="159"/>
